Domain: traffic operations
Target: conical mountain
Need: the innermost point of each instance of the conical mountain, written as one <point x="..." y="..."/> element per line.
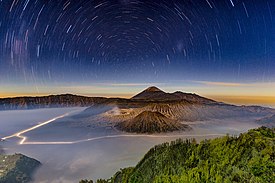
<point x="151" y="93"/>
<point x="153" y="89"/>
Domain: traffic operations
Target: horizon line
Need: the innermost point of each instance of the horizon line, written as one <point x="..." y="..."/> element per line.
<point x="231" y="99"/>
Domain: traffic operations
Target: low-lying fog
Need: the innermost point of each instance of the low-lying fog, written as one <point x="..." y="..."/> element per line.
<point x="72" y="152"/>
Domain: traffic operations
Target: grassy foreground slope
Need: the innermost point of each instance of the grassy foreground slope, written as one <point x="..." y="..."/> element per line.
<point x="17" y="168"/>
<point x="247" y="158"/>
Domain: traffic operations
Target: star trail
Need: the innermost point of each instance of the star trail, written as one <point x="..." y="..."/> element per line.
<point x="132" y="41"/>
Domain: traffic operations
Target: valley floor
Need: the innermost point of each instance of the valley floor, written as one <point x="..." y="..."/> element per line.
<point x="71" y="149"/>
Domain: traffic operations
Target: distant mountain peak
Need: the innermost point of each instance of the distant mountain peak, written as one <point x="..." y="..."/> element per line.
<point x="153" y="89"/>
<point x="149" y="93"/>
<point x="155" y="94"/>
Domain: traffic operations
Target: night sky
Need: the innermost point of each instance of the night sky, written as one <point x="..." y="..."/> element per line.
<point x="123" y="43"/>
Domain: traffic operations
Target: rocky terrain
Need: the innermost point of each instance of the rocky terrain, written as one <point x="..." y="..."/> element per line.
<point x="151" y="122"/>
<point x="66" y="100"/>
<point x="268" y="121"/>
<point x="17" y="168"/>
<point x="168" y="110"/>
<point x="155" y="94"/>
<point x="177" y="108"/>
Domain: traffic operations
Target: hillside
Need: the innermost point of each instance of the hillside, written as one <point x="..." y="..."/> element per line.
<point x="151" y="122"/>
<point x="155" y="94"/>
<point x="1" y="150"/>
<point x="176" y="108"/>
<point x="151" y="94"/>
<point x="247" y="158"/>
<point x="267" y="121"/>
<point x="17" y="168"/>
<point x="66" y="100"/>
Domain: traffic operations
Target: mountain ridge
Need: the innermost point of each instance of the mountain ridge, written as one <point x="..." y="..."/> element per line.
<point x="152" y="93"/>
<point x="176" y="107"/>
<point x="155" y="94"/>
<point x="268" y="121"/>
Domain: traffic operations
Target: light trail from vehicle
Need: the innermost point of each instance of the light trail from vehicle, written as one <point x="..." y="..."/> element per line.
<point x="24" y="141"/>
<point x="118" y="136"/>
<point x="24" y="138"/>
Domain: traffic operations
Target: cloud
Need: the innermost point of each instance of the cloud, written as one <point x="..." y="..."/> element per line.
<point x="227" y="84"/>
<point x="132" y="84"/>
<point x="100" y="85"/>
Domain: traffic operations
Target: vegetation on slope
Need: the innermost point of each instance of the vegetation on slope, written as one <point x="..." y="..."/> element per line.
<point x="16" y="168"/>
<point x="247" y="158"/>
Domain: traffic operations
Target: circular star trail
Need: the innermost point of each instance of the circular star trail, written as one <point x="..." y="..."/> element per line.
<point x="136" y="40"/>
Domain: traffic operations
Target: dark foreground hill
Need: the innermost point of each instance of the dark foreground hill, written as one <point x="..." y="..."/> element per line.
<point x="247" y="158"/>
<point x="17" y="168"/>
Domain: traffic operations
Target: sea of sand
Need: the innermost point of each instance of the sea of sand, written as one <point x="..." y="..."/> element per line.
<point x="69" y="152"/>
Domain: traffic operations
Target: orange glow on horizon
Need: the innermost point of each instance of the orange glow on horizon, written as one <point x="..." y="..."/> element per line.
<point x="246" y="100"/>
<point x="13" y="95"/>
<point x="238" y="100"/>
